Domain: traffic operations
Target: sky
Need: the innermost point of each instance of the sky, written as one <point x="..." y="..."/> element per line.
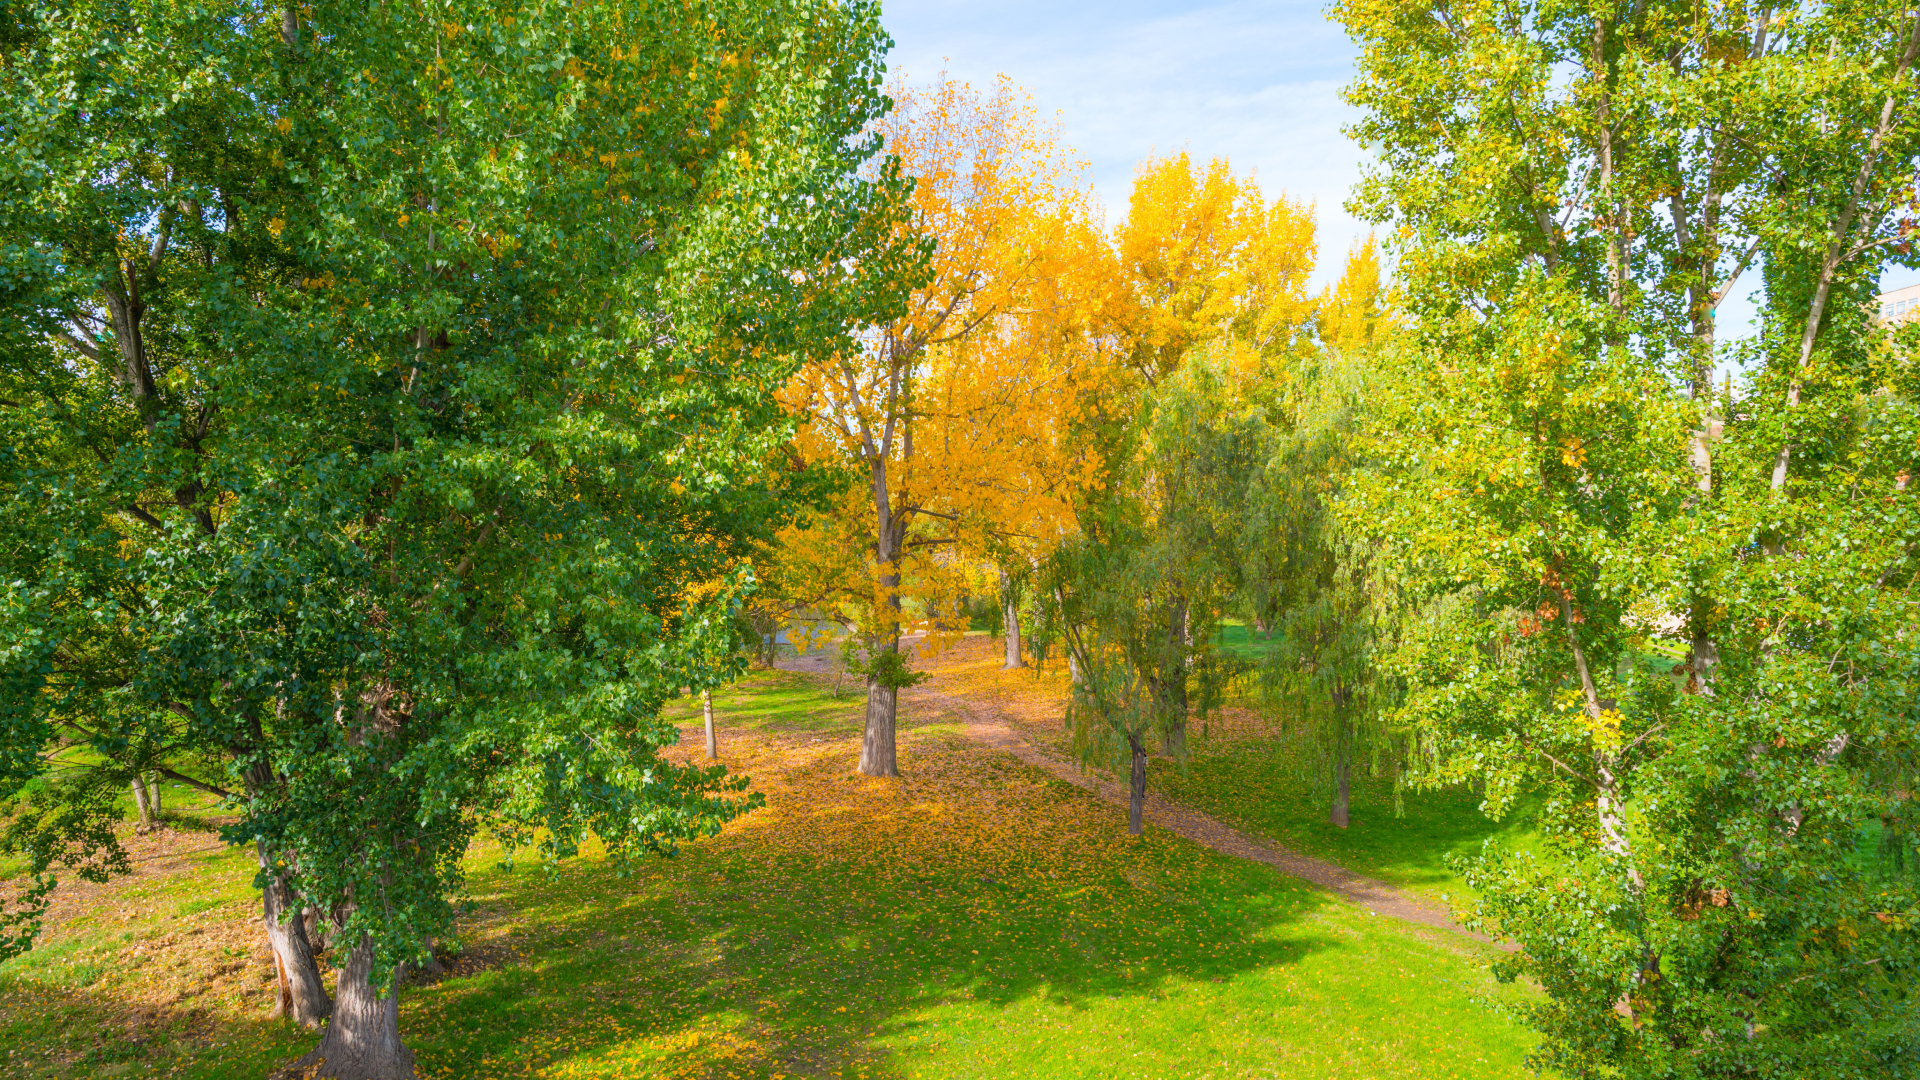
<point x="1256" y="83"/>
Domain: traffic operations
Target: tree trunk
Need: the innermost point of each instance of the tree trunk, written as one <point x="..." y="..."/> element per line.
<point x="363" y="1039"/>
<point x="153" y="795"/>
<point x="1342" y="756"/>
<point x="877" y="757"/>
<point x="1012" y="615"/>
<point x="301" y="996"/>
<point x="1173" y="740"/>
<point x="1342" y="770"/>
<point x="1137" y="804"/>
<point x="713" y="743"/>
<point x="140" y="803"/>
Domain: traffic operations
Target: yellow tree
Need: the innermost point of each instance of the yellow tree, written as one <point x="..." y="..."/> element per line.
<point x="1204" y="258"/>
<point x="955" y="415"/>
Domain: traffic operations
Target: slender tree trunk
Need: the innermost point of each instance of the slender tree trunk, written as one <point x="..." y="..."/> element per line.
<point x="300" y="995"/>
<point x="1838" y="237"/>
<point x="1173" y="741"/>
<point x="153" y="795"/>
<point x="1013" y="636"/>
<point x="706" y="706"/>
<point x="363" y="1038"/>
<point x="1342" y="760"/>
<point x="877" y="756"/>
<point x="877" y="752"/>
<point x="1136" y="805"/>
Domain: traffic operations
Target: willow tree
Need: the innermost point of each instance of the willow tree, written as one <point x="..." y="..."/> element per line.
<point x="403" y="387"/>
<point x="1572" y="190"/>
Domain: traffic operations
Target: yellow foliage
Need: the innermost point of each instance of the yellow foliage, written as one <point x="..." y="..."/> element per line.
<point x="1205" y="256"/>
<point x="958" y="415"/>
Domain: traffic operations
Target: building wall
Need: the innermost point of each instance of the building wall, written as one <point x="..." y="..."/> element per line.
<point x="1899" y="304"/>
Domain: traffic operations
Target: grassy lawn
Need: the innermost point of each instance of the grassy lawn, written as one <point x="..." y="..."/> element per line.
<point x="1246" y="771"/>
<point x="974" y="919"/>
<point x="1263" y="789"/>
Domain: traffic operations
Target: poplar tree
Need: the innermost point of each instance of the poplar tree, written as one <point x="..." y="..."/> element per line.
<point x="1572" y="190"/>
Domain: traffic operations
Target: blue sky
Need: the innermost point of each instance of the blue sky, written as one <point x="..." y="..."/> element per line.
<point x="1256" y="83"/>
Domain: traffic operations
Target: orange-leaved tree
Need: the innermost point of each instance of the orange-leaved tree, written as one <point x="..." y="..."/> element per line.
<point x="955" y="416"/>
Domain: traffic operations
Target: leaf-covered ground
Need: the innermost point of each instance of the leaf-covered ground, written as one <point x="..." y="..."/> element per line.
<point x="976" y="918"/>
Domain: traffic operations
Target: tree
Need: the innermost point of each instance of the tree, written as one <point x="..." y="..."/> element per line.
<point x="1572" y="191"/>
<point x="415" y="385"/>
<point x="951" y="414"/>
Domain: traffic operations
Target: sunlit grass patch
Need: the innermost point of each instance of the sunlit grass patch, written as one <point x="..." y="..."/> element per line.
<point x="975" y="918"/>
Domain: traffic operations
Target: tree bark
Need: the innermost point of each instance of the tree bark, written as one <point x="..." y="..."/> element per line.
<point x="300" y="996"/>
<point x="1342" y="761"/>
<point x="1136" y="805"/>
<point x="877" y="756"/>
<point x="1012" y="615"/>
<point x="713" y="743"/>
<point x="363" y="1039"/>
<point x="140" y="803"/>
<point x="1173" y="741"/>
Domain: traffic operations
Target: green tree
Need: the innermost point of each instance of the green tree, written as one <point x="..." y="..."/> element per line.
<point x="410" y="386"/>
<point x="1573" y="189"/>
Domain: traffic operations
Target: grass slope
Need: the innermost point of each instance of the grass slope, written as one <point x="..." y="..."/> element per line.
<point x="974" y="919"/>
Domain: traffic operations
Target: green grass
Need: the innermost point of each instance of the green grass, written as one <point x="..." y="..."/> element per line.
<point x="975" y="919"/>
<point x="1263" y="789"/>
<point x="131" y="985"/>
<point x="777" y="701"/>
<point x="1193" y="965"/>
<point x="1242" y="642"/>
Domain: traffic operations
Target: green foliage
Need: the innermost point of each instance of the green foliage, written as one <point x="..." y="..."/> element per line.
<point x="1572" y="191"/>
<point x="397" y="383"/>
<point x="882" y="666"/>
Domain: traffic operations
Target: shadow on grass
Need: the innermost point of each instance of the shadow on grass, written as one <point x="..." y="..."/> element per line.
<point x="55" y="1030"/>
<point x="1262" y="789"/>
<point x="725" y="960"/>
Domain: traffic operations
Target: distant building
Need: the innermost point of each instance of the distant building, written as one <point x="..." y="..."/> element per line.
<point x="1899" y="304"/>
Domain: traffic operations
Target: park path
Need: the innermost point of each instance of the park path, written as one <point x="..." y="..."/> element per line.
<point x="986" y="725"/>
<point x="983" y="725"/>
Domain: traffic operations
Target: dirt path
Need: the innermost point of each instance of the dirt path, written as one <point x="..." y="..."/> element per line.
<point x="1376" y="896"/>
<point x="986" y="726"/>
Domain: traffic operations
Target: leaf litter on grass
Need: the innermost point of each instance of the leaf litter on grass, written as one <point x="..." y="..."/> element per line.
<point x="974" y="918"/>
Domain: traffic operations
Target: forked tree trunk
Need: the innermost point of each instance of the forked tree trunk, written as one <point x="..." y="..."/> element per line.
<point x="1136" y="804"/>
<point x="713" y="743"/>
<point x="363" y="1039"/>
<point x="877" y="757"/>
<point x="299" y="995"/>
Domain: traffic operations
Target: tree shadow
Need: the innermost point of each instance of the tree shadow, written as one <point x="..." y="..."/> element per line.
<point x="827" y="939"/>
<point x="1404" y="839"/>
